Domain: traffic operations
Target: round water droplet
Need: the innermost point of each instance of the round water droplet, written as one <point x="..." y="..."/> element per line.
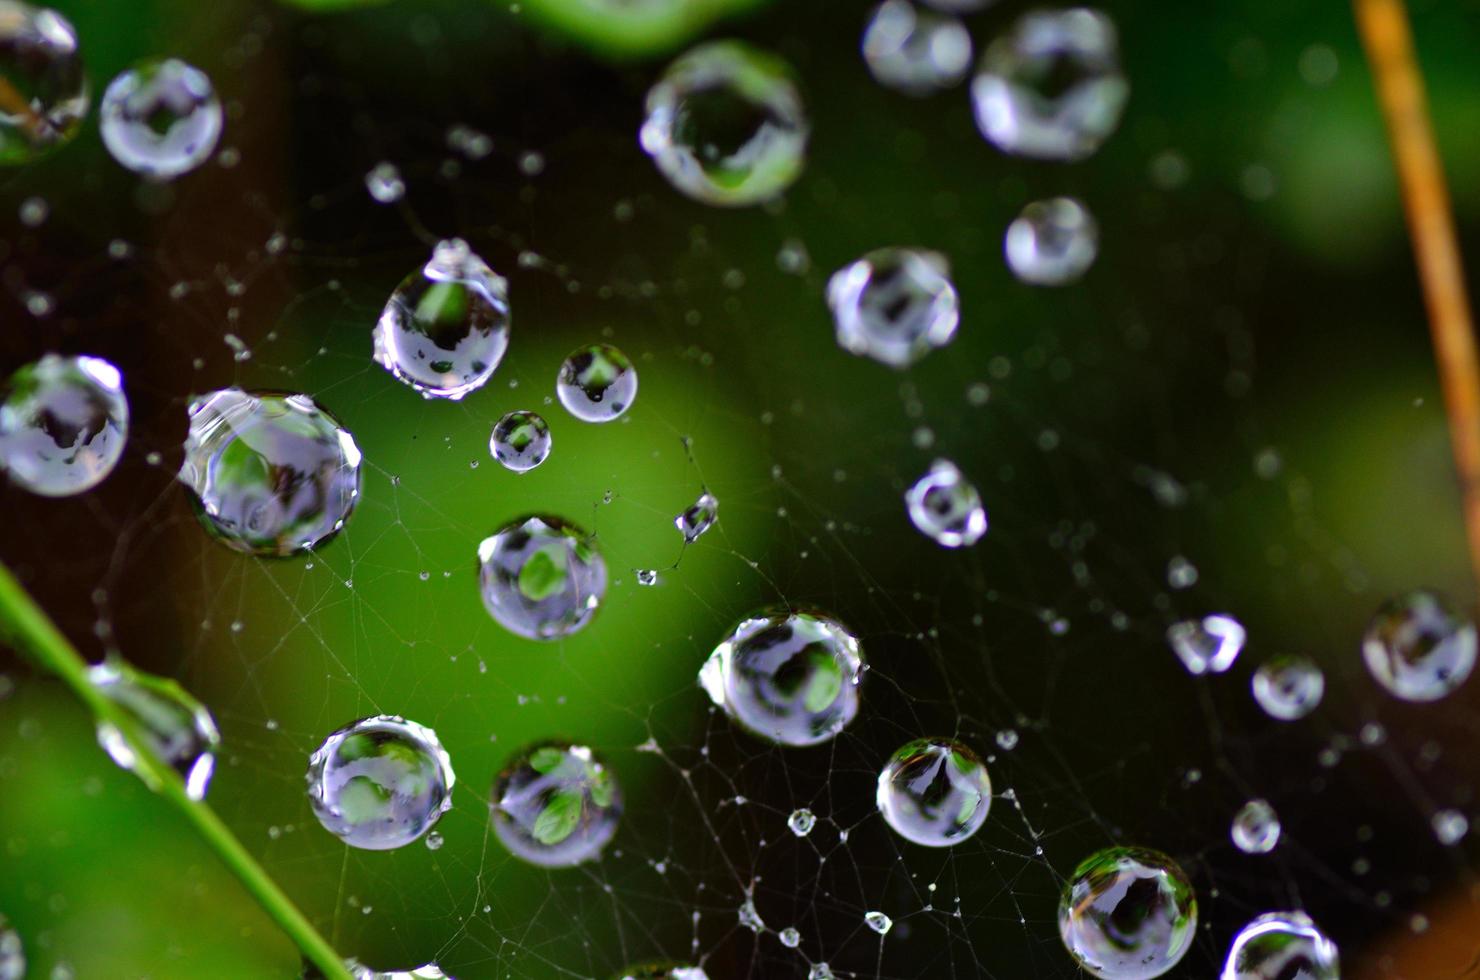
<point x="1450" y="826"/>
<point x="801" y="822"/>
<point x="380" y="783"/>
<point x="878" y="922"/>
<point x="1418" y="647"/>
<point x="270" y="473"/>
<point x="934" y="792"/>
<point x="697" y="518"/>
<point x="945" y="506"/>
<point x="435" y="841"/>
<point x="446" y="326"/>
<point x="791" y="677"/>
<point x="894" y="305"/>
<point x="726" y="125"/>
<point x="1208" y="645"/>
<point x="1051" y="87"/>
<point x="541" y="577"/>
<point x="596" y="383"/>
<point x="647" y="576"/>
<point x="556" y="805"/>
<point x="1052" y="242"/>
<point x="384" y="183"/>
<point x="45" y="95"/>
<point x="1129" y="913"/>
<point x="1281" y="946"/>
<point x="12" y="952"/>
<point x="520" y="441"/>
<point x="915" y="51"/>
<point x="820" y="971"/>
<point x="177" y="728"/>
<point x="662" y="971"/>
<point x="1256" y="827"/>
<point x="429" y="971"/>
<point x="1288" y="687"/>
<point x="160" y="119"/>
<point x="790" y="937"/>
<point x="63" y="424"/>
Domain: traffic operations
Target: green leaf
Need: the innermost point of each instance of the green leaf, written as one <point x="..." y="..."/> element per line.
<point x="825" y="683"/>
<point x="559" y="818"/>
<point x="546" y="759"/>
<point x="541" y="577"/>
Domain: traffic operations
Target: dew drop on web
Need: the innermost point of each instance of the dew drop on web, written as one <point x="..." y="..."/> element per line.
<point x="934" y="792"/>
<point x="541" y="577"/>
<point x="596" y="383"/>
<point x="556" y="805"/>
<point x="176" y="727"/>
<point x="161" y="119"/>
<point x="40" y="59"/>
<point x="63" y="424"/>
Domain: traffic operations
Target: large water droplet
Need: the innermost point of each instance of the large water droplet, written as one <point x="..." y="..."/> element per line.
<point x="270" y="473"/>
<point x="1281" y="946"/>
<point x="1051" y="87"/>
<point x="1128" y="913"/>
<point x="1052" y="242"/>
<point x="1208" y="645"/>
<point x="663" y="971"/>
<point x="791" y="677"/>
<point x="541" y="577"/>
<point x="726" y="125"/>
<point x="894" y="305"/>
<point x="520" y="441"/>
<point x="697" y="518"/>
<point x="177" y="729"/>
<point x="1288" y="687"/>
<point x="446" y="326"/>
<point x="12" y="952"/>
<point x="1255" y="828"/>
<point x="945" y="506"/>
<point x="380" y="783"/>
<point x="1418" y="647"/>
<point x="45" y="94"/>
<point x="63" y="424"/>
<point x="915" y="51"/>
<point x="596" y="383"/>
<point x="934" y="792"/>
<point x="160" y="118"/>
<point x="556" y="805"/>
<point x="429" y="971"/>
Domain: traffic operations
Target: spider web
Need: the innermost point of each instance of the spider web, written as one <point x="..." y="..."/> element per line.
<point x="1152" y="444"/>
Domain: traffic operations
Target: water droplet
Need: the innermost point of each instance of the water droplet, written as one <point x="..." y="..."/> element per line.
<point x="33" y="211"/>
<point x="1129" y="913"/>
<point x="820" y="971"/>
<point x="435" y="841"/>
<point x="647" y="576"/>
<point x="270" y="473"/>
<point x="380" y="783"/>
<point x="697" y="518"/>
<point x="915" y="51"/>
<point x="446" y="326"/>
<point x="791" y="677"/>
<point x="878" y="922"/>
<point x="726" y="125"/>
<point x="789" y="937"/>
<point x="1256" y="827"/>
<point x="63" y="424"/>
<point x="1279" y="945"/>
<point x="1181" y="573"/>
<point x="541" y="577"/>
<point x="894" y="305"/>
<point x="177" y="728"/>
<point x="663" y="971"/>
<point x="40" y="64"/>
<point x="1051" y="87"/>
<point x="556" y="805"/>
<point x="934" y="792"/>
<point x="429" y="971"/>
<point x="384" y="183"/>
<point x="1052" y="242"/>
<point x="520" y="441"/>
<point x="1288" y="687"/>
<point x="161" y="118"/>
<point x="12" y="953"/>
<point x="596" y="383"/>
<point x="1007" y="740"/>
<point x="749" y="917"/>
<point x="1450" y="826"/>
<point x="1418" y="647"/>
<point x="945" y="506"/>
<point x="1209" y="645"/>
<point x="801" y="821"/>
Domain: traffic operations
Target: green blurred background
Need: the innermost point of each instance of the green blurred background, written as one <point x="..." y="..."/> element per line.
<point x="1254" y="299"/>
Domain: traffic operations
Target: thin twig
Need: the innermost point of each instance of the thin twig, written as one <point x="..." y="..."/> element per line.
<point x="24" y="625"/>
<point x="1389" y="42"/>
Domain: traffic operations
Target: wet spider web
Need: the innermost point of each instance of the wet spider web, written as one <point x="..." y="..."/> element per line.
<point x="1151" y="444"/>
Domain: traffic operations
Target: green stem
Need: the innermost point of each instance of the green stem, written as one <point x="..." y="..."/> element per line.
<point x="31" y="631"/>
